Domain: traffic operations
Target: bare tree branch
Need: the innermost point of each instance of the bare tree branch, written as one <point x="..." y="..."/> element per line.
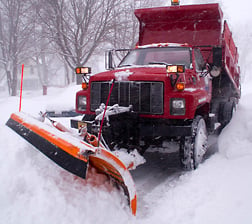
<point x="16" y="30"/>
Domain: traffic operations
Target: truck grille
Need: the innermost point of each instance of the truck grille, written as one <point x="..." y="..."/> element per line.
<point x="145" y="97"/>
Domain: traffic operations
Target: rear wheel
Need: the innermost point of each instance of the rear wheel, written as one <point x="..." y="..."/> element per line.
<point x="193" y="148"/>
<point x="227" y="110"/>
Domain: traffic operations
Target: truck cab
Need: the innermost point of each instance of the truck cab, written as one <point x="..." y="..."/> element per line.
<point x="180" y="83"/>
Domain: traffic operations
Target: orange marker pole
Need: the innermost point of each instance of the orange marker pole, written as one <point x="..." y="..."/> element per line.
<point x="21" y="87"/>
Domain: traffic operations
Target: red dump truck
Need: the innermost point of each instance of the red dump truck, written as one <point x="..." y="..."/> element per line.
<point x="180" y="83"/>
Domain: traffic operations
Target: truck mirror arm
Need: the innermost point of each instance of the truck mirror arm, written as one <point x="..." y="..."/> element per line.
<point x="109" y="58"/>
<point x="174" y="80"/>
<point x="85" y="78"/>
<point x="205" y="71"/>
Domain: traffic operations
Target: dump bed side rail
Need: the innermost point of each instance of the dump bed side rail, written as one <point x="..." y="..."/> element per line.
<point x="230" y="58"/>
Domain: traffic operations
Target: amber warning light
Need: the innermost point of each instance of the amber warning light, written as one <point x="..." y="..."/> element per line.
<point x="180" y="86"/>
<point x="83" y="70"/>
<point x="174" y="2"/>
<point x="175" y="68"/>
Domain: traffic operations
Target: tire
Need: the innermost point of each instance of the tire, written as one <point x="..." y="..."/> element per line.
<point x="193" y="148"/>
<point x="226" y="112"/>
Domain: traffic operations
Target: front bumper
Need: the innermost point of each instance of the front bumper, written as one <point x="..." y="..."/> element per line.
<point x="130" y="124"/>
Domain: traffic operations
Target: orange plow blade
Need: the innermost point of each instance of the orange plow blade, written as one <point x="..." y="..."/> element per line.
<point x="73" y="154"/>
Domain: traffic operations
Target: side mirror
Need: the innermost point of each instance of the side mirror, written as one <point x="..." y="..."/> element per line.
<point x="213" y="70"/>
<point x="217" y="56"/>
<point x="109" y="60"/>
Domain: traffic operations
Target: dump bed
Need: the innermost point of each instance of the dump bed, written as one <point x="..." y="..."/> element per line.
<point x="196" y="25"/>
<point x="192" y="24"/>
<point x="230" y="58"/>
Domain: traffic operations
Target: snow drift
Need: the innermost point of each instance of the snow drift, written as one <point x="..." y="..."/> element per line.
<point x="34" y="190"/>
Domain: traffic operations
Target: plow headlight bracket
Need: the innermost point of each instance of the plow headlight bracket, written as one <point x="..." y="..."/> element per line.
<point x="82" y="103"/>
<point x="84" y="71"/>
<point x="177" y="106"/>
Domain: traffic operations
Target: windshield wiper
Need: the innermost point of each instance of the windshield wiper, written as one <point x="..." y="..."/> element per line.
<point x="157" y="63"/>
<point x="124" y="66"/>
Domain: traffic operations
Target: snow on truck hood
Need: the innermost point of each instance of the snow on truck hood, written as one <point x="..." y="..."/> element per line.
<point x="129" y="73"/>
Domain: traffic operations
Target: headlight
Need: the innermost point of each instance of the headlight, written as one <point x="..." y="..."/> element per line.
<point x="82" y="103"/>
<point x="177" y="106"/>
<point x="175" y="68"/>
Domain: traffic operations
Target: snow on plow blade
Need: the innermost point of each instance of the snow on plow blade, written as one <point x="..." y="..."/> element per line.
<point x="73" y="154"/>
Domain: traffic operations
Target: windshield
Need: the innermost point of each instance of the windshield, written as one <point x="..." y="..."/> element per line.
<point x="162" y="55"/>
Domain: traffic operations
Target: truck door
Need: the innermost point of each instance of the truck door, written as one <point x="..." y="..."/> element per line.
<point x="200" y="66"/>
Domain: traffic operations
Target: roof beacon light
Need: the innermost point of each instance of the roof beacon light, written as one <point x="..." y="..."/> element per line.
<point x="83" y="70"/>
<point x="174" y="2"/>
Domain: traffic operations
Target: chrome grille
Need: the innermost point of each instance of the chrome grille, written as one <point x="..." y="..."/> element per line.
<point x="145" y="97"/>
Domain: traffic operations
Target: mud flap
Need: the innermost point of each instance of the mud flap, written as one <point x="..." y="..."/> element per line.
<point x="73" y="154"/>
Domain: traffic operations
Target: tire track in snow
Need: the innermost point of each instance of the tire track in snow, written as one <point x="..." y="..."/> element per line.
<point x="160" y="173"/>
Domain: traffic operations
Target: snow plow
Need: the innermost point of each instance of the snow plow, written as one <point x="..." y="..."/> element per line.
<point x="180" y="83"/>
<point x="73" y="153"/>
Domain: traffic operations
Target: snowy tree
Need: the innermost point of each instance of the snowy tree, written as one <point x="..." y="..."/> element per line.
<point x="72" y="30"/>
<point x="125" y="29"/>
<point x="77" y="27"/>
<point x="16" y="40"/>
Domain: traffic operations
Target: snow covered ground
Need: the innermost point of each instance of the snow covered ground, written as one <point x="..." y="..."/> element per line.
<point x="34" y="190"/>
